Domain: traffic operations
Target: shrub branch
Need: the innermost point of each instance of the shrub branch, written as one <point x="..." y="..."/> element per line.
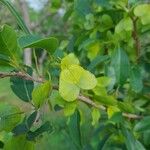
<point x="82" y="98"/>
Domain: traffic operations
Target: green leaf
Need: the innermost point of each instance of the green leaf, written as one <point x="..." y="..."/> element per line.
<point x="106" y="23"/>
<point x="70" y="108"/>
<point x="31" y="119"/>
<point x="106" y="100"/>
<point x="89" y="24"/>
<point x="103" y="81"/>
<point x="87" y="80"/>
<point x="25" y="126"/>
<point x="120" y="63"/>
<point x="20" y="129"/>
<point x="100" y="91"/>
<point x="143" y="12"/>
<point x="126" y="107"/>
<point x="77" y="75"/>
<point x="46" y="127"/>
<point x="143" y="125"/>
<point x="93" y="49"/>
<point x="49" y="44"/>
<point x="124" y="25"/>
<point x="139" y="145"/>
<point x="116" y="118"/>
<point x="103" y="142"/>
<point x="72" y="79"/>
<point x="96" y="61"/>
<point x="22" y="88"/>
<point x="103" y="3"/>
<point x="111" y="110"/>
<point x="69" y="60"/>
<point x="56" y="99"/>
<point x="19" y="142"/>
<point x="10" y="116"/>
<point x="82" y="7"/>
<point x="129" y="139"/>
<point x="136" y="80"/>
<point x="68" y="91"/>
<point x="95" y="116"/>
<point x="8" y="43"/>
<point x="41" y="93"/>
<point x="74" y="129"/>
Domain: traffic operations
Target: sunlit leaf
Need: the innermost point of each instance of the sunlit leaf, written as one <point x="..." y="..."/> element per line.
<point x="68" y="91"/>
<point x="143" y="12"/>
<point x="69" y="60"/>
<point x="10" y="116"/>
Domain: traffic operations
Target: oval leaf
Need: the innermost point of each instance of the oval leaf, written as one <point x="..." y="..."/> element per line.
<point x="120" y="63"/>
<point x="41" y="93"/>
<point x="10" y="116"/>
<point x="49" y="44"/>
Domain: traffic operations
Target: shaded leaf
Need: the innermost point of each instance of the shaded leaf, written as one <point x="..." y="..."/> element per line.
<point x="120" y="63"/>
<point x="46" y="127"/>
<point x="49" y="44"/>
<point x="74" y="129"/>
<point x="143" y="125"/>
<point x="96" y="61"/>
<point x="22" y="88"/>
<point x="126" y="107"/>
<point x="41" y="93"/>
<point x="20" y="129"/>
<point x="1" y="144"/>
<point x="129" y="139"/>
<point x="31" y="119"/>
<point x="136" y="80"/>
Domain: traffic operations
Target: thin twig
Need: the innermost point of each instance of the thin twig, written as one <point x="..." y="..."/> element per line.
<point x="20" y="75"/>
<point x="82" y="98"/>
